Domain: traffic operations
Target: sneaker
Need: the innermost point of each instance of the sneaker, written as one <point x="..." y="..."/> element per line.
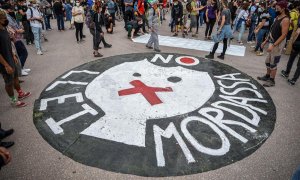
<point x="205" y="38"/>
<point x="7" y="144"/>
<point x="284" y="74"/>
<point x="157" y="50"/>
<point x="221" y="57"/>
<point x="269" y="83"/>
<point x="259" y="53"/>
<point x="183" y="35"/>
<point x="249" y="42"/>
<point x="43" y="50"/>
<point x="18" y="104"/>
<point x="210" y="56"/>
<point x="252" y="46"/>
<point x="39" y="52"/>
<point x="194" y="35"/>
<point x="241" y="43"/>
<point x="82" y="40"/>
<point x="291" y="82"/>
<point x="98" y="55"/>
<point x="26" y="70"/>
<point x="174" y="35"/>
<point x="4" y="134"/>
<point x="24" y="73"/>
<point x="24" y="95"/>
<point x="263" y="78"/>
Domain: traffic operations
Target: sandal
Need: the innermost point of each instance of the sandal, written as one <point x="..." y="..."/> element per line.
<point x="98" y="55"/>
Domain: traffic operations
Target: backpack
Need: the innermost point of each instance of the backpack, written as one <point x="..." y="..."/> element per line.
<point x="189" y="6"/>
<point x="89" y="21"/>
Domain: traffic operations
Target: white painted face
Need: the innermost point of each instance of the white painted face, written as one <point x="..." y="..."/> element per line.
<point x="133" y="92"/>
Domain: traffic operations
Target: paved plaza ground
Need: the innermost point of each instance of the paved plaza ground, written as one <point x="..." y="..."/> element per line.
<point x="35" y="159"/>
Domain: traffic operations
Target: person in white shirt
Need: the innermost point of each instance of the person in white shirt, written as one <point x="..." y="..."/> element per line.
<point x="35" y="17"/>
<point x="78" y="15"/>
<point x="243" y="16"/>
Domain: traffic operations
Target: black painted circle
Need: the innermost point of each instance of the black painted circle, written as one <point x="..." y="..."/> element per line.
<point x="137" y="75"/>
<point x="129" y="159"/>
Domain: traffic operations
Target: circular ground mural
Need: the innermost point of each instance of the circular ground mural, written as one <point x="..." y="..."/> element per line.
<point x="155" y="114"/>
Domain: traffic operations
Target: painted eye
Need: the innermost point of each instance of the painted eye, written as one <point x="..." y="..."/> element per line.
<point x="174" y="79"/>
<point x="137" y="75"/>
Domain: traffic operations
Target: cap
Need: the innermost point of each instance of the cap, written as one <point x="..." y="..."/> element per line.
<point x="283" y="4"/>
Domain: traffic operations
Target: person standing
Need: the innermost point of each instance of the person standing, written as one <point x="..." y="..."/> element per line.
<point x="153" y="20"/>
<point x="275" y="40"/>
<point x="28" y="35"/>
<point x="295" y="52"/>
<point x="194" y="14"/>
<point x="35" y="17"/>
<point x="176" y="14"/>
<point x="211" y="15"/>
<point x="47" y="14"/>
<point x="262" y="28"/>
<point x="8" y="65"/>
<point x="78" y="15"/>
<point x="58" y="10"/>
<point x="68" y="9"/>
<point x="241" y="21"/>
<point x="141" y="11"/>
<point x="224" y="32"/>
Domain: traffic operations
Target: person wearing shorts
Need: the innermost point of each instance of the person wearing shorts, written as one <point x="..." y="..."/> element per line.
<point x="277" y="35"/>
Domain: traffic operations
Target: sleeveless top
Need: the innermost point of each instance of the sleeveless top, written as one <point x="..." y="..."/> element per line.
<point x="276" y="29"/>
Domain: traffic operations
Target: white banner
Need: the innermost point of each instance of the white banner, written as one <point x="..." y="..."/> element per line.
<point x="185" y="43"/>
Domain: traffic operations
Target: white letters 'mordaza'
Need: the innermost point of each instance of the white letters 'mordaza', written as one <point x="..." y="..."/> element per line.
<point x="125" y="116"/>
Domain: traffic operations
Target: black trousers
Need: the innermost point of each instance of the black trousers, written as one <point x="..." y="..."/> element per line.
<point x="225" y="43"/>
<point x="79" y="27"/>
<point x="128" y="16"/>
<point x="28" y="35"/>
<point x="292" y="58"/>
<point x="209" y="27"/>
<point x="22" y="52"/>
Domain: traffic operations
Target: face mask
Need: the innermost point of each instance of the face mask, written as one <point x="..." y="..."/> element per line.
<point x="175" y="3"/>
<point x="77" y="4"/>
<point x="5" y="23"/>
<point x="257" y="4"/>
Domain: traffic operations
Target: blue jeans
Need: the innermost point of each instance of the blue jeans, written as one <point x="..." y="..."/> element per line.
<point x="47" y="21"/>
<point x="259" y="39"/>
<point x="251" y="35"/>
<point x="37" y="33"/>
<point x="242" y="30"/>
<point x="201" y="18"/>
<point x="60" y="22"/>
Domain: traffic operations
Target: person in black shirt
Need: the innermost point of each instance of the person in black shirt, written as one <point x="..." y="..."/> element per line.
<point x="8" y="65"/>
<point x="276" y="43"/>
<point x="177" y="13"/>
<point x="58" y="10"/>
<point x="295" y="52"/>
<point x="28" y="35"/>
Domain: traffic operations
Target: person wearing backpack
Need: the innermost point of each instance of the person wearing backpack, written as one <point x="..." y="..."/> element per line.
<point x="241" y="21"/>
<point x="35" y="17"/>
<point x="176" y="14"/>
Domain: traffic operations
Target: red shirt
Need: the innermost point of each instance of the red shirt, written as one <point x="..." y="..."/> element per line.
<point x="141" y="7"/>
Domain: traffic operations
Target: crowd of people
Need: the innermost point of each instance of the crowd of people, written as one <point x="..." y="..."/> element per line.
<point x="271" y="24"/>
